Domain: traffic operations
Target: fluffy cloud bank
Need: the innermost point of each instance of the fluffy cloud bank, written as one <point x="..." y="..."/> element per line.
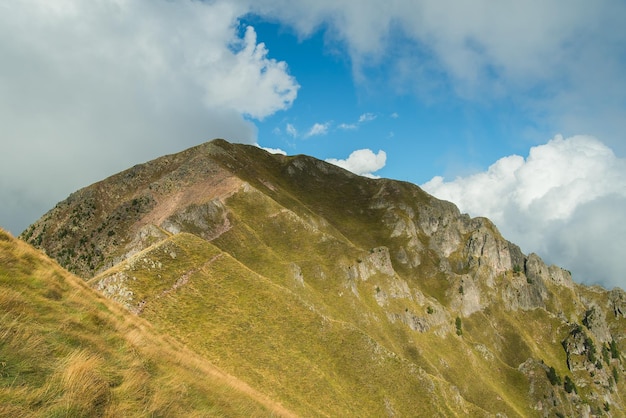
<point x="563" y="63"/>
<point x="362" y="162"/>
<point x="565" y="201"/>
<point x="91" y="87"/>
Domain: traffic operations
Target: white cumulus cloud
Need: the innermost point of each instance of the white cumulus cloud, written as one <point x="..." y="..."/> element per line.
<point x="291" y="130"/>
<point x="272" y="150"/>
<point x="565" y="201"/>
<point x="363" y="162"/>
<point x="246" y="80"/>
<point x="318" y="129"/>
<point x="366" y="117"/>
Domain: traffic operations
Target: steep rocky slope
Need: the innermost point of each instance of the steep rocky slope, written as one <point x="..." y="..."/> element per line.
<point x="338" y="294"/>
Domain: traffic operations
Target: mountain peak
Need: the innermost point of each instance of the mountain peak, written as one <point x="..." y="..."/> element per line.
<point x="270" y="265"/>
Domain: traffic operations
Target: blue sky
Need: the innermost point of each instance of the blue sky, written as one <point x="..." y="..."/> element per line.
<point x="441" y="134"/>
<point x="512" y="110"/>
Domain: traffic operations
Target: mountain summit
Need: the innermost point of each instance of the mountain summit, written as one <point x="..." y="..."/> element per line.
<point x="339" y="295"/>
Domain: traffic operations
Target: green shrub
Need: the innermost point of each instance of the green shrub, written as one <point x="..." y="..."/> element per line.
<point x="553" y="377"/>
<point x="591" y="350"/>
<point x="569" y="385"/>
<point x="614" y="349"/>
<point x="459" y="326"/>
<point x="605" y="354"/>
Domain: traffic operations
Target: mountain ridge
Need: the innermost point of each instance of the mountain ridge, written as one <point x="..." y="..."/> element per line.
<point x="430" y="289"/>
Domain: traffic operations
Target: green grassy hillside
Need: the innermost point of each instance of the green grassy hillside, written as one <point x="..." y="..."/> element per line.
<point x="66" y="351"/>
<point x="271" y="336"/>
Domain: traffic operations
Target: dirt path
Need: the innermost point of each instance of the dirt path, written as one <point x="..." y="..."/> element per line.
<point x="141" y="332"/>
<point x="187" y="357"/>
<point x="276" y="408"/>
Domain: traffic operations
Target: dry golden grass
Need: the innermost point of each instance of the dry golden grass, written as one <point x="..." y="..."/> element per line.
<point x="81" y="385"/>
<point x="67" y="352"/>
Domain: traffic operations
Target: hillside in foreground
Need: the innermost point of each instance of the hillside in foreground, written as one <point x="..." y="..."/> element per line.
<point x="66" y="351"/>
<point x="338" y="295"/>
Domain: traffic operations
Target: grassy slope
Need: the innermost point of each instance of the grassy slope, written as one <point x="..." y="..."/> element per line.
<point x="268" y="335"/>
<point x="347" y="208"/>
<point x="270" y="300"/>
<point x="66" y="351"/>
<point x="343" y="353"/>
<point x="317" y="345"/>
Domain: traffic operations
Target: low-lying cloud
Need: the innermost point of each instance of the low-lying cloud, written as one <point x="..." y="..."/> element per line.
<point x="90" y="88"/>
<point x="565" y="201"/>
<point x="363" y="162"/>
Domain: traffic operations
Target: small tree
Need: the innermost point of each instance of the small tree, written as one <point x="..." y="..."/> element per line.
<point x="459" y="326"/>
<point x="605" y="354"/>
<point x="591" y="350"/>
<point x="614" y="349"/>
<point x="569" y="385"/>
<point x="553" y="377"/>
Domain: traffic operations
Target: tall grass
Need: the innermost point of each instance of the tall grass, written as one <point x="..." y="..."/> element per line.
<point x="67" y="352"/>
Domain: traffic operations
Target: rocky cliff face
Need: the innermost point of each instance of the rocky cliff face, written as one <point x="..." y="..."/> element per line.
<point x="444" y="294"/>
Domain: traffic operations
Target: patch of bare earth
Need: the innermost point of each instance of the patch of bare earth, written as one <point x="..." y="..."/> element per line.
<point x="219" y="186"/>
